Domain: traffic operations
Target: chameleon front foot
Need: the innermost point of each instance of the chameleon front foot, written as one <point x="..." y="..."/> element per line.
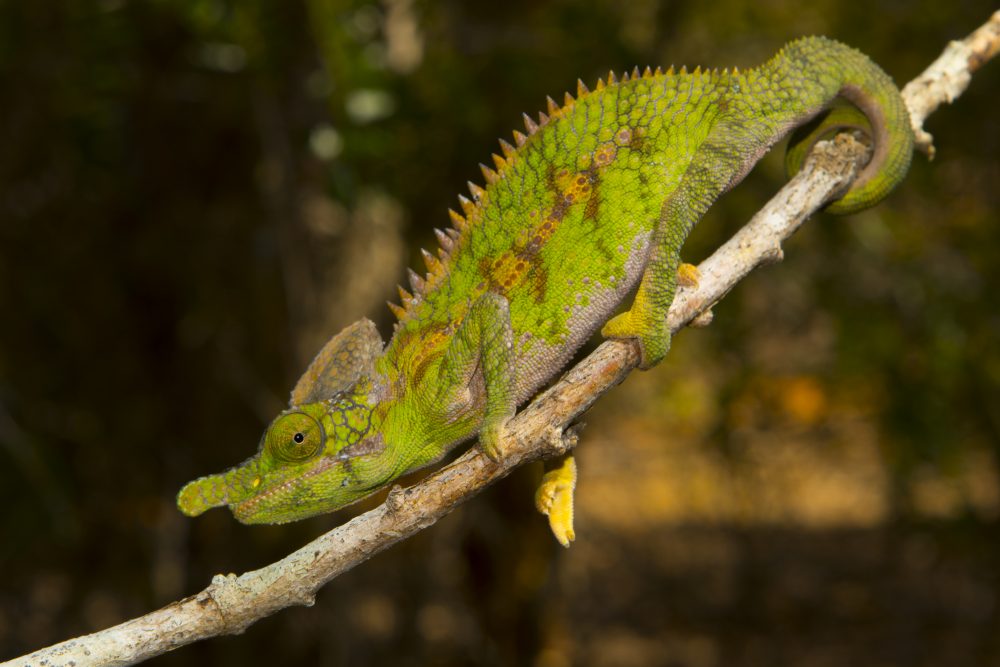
<point x="554" y="498"/>
<point x="491" y="439"/>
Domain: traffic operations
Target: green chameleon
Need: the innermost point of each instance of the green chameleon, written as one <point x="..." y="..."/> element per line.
<point x="593" y="202"/>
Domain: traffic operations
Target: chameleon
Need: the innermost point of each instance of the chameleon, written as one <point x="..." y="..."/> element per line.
<point x="590" y="204"/>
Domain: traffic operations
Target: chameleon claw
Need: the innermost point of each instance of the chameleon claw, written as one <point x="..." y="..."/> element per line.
<point x="491" y="441"/>
<point x="688" y="275"/>
<point x="554" y="498"/>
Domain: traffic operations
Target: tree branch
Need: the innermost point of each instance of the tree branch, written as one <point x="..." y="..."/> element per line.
<point x="232" y="603"/>
<point x="948" y="77"/>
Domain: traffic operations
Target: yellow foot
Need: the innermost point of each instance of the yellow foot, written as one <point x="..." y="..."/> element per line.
<point x="688" y="275"/>
<point x="554" y="498"/>
<point x="653" y="337"/>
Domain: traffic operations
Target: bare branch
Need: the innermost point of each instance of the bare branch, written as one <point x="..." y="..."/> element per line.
<point x="948" y="77"/>
<point x="232" y="603"/>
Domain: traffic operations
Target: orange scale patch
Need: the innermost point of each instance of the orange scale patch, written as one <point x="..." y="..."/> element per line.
<point x="505" y="271"/>
<point x="605" y="154"/>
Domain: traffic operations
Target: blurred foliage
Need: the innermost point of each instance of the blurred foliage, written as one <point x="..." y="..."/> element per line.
<point x="195" y="193"/>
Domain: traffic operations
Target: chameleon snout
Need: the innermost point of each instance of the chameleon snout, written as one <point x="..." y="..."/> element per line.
<point x="202" y="494"/>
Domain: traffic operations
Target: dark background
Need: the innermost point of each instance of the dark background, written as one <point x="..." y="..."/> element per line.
<point x="195" y="195"/>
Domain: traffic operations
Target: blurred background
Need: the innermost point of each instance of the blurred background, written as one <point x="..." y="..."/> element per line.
<point x="194" y="195"/>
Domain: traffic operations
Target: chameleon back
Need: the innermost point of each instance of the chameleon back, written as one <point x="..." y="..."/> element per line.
<point x="563" y="228"/>
<point x="566" y="225"/>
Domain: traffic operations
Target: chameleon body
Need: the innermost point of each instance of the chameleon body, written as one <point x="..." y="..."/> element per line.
<point x="593" y="202"/>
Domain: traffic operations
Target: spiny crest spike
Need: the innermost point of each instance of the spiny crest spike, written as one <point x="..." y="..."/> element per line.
<point x="551" y="105"/>
<point x="453" y="233"/>
<point x="568" y="100"/>
<point x="444" y="240"/>
<point x="600" y="85"/>
<point x="647" y="73"/>
<point x="624" y="77"/>
<point x="457" y="220"/>
<point x="543" y="118"/>
<point x="635" y="72"/>
<point x="697" y="71"/>
<point x="477" y="192"/>
<point x="670" y="72"/>
<point x="611" y="78"/>
<point x="519" y="138"/>
<point x="397" y="310"/>
<point x="432" y="262"/>
<point x="488" y="174"/>
<point x="507" y="149"/>
<point x="416" y="282"/>
<point x="467" y="204"/>
<point x="404" y="296"/>
<point x="498" y="161"/>
<point x="684" y="70"/>
<point x="658" y="71"/>
<point x="581" y="88"/>
<point x="736" y="71"/>
<point x="529" y="124"/>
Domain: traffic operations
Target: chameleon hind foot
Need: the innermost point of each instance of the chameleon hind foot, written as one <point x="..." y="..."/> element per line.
<point x="646" y="320"/>
<point x="554" y="498"/>
<point x="650" y="331"/>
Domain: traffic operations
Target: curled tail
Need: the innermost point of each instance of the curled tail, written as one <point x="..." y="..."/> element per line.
<point x="878" y="111"/>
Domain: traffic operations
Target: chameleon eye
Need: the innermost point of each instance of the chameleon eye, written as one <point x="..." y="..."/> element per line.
<point x="294" y="437"/>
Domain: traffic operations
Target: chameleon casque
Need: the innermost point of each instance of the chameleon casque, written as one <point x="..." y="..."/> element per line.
<point x="593" y="202"/>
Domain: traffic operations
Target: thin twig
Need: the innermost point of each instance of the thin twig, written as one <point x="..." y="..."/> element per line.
<point x="948" y="77"/>
<point x="232" y="603"/>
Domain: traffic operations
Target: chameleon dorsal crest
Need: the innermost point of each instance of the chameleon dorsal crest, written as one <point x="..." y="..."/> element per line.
<point x="347" y="357"/>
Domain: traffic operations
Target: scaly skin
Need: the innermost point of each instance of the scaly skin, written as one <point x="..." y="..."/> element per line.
<point x="595" y="200"/>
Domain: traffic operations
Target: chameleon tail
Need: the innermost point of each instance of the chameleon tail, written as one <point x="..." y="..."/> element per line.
<point x="882" y="116"/>
<point x="840" y="117"/>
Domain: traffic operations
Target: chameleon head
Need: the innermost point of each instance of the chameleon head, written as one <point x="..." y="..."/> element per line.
<point x="313" y="459"/>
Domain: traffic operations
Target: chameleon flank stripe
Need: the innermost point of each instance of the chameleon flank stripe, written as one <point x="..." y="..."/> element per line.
<point x="592" y="201"/>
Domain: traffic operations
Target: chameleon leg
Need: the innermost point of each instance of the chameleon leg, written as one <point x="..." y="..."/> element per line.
<point x="484" y="343"/>
<point x="706" y="178"/>
<point x="554" y="497"/>
<point x="646" y="320"/>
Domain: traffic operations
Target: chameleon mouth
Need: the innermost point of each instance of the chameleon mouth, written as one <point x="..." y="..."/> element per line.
<point x="324" y="485"/>
<point x="254" y="509"/>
